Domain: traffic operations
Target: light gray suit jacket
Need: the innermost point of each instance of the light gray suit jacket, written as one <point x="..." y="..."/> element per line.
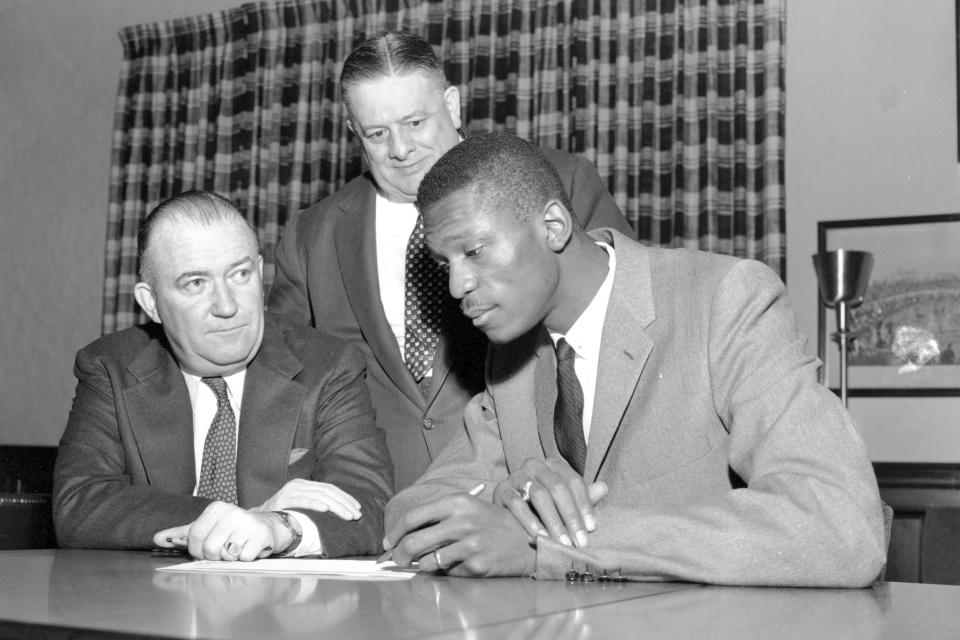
<point x="727" y="462"/>
<point x="125" y="468"/>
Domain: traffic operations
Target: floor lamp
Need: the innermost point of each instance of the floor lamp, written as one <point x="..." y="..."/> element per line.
<point x="842" y="277"/>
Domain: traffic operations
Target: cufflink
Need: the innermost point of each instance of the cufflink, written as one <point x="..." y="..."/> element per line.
<point x="587" y="575"/>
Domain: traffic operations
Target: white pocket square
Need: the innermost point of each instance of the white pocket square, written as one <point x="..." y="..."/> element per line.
<point x="296" y="454"/>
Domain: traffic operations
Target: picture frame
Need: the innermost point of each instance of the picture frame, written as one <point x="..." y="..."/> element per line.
<point x="912" y="301"/>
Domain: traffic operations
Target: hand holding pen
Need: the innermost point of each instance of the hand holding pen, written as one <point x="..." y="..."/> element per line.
<point x="388" y="554"/>
<point x="459" y="535"/>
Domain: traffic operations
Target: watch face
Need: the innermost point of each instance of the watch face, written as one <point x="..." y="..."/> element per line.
<point x="294" y="528"/>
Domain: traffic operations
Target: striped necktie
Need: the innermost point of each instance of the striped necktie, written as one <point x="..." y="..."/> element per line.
<point x="568" y="412"/>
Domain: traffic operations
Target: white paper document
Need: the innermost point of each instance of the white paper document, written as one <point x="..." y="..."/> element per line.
<point x="334" y="569"/>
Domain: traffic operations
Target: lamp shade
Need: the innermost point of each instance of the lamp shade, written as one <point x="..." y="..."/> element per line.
<point x="842" y="275"/>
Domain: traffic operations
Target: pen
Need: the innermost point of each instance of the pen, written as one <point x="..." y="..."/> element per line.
<point x="388" y="555"/>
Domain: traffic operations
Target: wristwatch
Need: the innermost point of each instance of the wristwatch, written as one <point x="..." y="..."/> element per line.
<point x="293" y="527"/>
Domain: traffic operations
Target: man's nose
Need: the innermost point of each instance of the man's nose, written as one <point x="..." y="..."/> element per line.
<point x="401" y="145"/>
<point x="224" y="303"/>
<point x="461" y="281"/>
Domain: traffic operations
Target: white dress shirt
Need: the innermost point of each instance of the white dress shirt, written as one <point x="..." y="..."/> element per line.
<point x="584" y="336"/>
<point x="204" y="403"/>
<point x="395" y="223"/>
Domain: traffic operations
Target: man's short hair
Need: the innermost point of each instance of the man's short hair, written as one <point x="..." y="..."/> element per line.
<point x="203" y="207"/>
<point x="499" y="169"/>
<point x="390" y="54"/>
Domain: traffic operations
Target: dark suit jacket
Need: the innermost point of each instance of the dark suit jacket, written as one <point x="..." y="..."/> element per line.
<point x="125" y="468"/>
<point x="726" y="461"/>
<point x="327" y="277"/>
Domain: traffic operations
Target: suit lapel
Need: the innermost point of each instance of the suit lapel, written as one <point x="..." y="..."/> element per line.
<point x="518" y="373"/>
<point x="357" y="253"/>
<point x="624" y="349"/>
<point x="269" y="415"/>
<point x="161" y="419"/>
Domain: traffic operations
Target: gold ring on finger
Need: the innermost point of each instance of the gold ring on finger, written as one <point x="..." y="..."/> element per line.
<point x="436" y="558"/>
<point x="525" y="491"/>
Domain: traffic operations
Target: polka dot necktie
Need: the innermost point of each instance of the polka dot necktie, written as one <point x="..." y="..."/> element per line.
<point x="218" y="471"/>
<point x="421" y="309"/>
<point x="568" y="412"/>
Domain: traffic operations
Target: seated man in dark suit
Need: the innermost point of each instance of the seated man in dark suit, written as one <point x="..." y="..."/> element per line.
<point x="649" y="413"/>
<point x="202" y="428"/>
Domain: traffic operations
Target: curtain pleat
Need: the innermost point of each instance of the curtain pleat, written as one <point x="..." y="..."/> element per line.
<point x="679" y="104"/>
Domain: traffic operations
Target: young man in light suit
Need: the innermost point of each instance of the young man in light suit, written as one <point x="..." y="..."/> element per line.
<point x="217" y="427"/>
<point x="701" y="447"/>
<point x="341" y="263"/>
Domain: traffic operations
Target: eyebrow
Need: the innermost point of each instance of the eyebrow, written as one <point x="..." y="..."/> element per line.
<point x="418" y="114"/>
<point x="193" y="274"/>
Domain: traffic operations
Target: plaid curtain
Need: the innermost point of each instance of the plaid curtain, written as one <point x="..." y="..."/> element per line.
<point x="679" y="104"/>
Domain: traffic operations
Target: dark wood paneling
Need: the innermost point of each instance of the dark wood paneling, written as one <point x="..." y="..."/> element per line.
<point x="925" y="539"/>
<point x="26" y="469"/>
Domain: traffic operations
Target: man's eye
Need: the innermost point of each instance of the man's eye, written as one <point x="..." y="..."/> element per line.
<point x="242" y="275"/>
<point x="473" y="252"/>
<point x="194" y="284"/>
<point x="413" y="124"/>
<point x="377" y="136"/>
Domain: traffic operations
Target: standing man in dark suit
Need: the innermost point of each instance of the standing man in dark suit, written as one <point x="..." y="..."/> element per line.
<point x="649" y="413"/>
<point x="218" y="427"/>
<point x="349" y="264"/>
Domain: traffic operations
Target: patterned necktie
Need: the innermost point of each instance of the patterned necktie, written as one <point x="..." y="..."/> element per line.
<point x="568" y="413"/>
<point x="218" y="471"/>
<point x="421" y="309"/>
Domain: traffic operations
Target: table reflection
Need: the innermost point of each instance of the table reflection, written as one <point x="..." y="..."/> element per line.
<point x="723" y="612"/>
<point x="237" y="605"/>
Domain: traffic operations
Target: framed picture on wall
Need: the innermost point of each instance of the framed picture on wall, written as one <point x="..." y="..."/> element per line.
<point x="906" y="334"/>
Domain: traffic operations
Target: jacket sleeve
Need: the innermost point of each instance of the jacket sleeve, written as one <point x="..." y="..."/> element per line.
<point x="474" y="455"/>
<point x="96" y="503"/>
<point x="810" y="512"/>
<point x="351" y="454"/>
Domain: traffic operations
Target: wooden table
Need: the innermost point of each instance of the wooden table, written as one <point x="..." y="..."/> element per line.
<point x="115" y="594"/>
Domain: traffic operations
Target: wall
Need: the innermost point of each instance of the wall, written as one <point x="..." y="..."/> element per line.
<point x="59" y="67"/>
<point x="871" y="131"/>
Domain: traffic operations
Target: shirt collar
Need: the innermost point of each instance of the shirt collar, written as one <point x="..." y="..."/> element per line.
<point x="234" y="384"/>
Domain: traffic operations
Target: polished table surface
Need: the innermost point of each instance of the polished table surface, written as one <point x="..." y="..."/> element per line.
<point x="114" y="594"/>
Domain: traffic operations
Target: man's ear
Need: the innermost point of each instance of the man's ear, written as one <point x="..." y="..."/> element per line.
<point x="263" y="292"/>
<point x="147" y="301"/>
<point x="451" y="98"/>
<point x="559" y="224"/>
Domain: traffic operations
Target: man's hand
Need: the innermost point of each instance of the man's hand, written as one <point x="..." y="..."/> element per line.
<point x="547" y="497"/>
<point x="226" y="532"/>
<point x="315" y="496"/>
<point x="462" y="536"/>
